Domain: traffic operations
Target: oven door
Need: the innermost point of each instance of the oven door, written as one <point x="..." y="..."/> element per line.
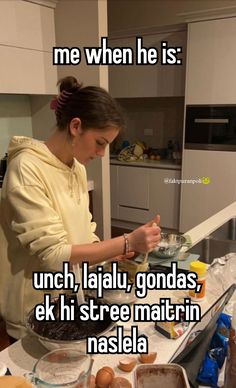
<point x="210" y="128"/>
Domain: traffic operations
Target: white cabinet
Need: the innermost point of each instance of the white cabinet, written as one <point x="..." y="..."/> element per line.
<point x="165" y="197"/>
<point x="114" y="191"/>
<point x="149" y="80"/>
<point x="200" y="201"/>
<point x="27" y="36"/>
<point x="138" y="194"/>
<point x="211" y="62"/>
<point x="133" y="193"/>
<point x="31" y="26"/>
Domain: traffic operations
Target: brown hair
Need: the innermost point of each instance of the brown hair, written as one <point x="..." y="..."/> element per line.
<point x="92" y="104"/>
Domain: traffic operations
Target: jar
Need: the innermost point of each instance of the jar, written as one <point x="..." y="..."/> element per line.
<point x="200" y="269"/>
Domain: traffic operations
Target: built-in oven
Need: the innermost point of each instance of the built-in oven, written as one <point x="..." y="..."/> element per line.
<point x="210" y="127"/>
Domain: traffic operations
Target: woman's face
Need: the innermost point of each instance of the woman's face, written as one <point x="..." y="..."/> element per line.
<point x="91" y="143"/>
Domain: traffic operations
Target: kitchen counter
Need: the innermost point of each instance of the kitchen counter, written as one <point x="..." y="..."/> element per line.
<point x="164" y="163"/>
<point x="208" y="226"/>
<point x="21" y="356"/>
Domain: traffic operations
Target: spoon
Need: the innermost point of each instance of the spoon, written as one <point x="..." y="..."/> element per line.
<point x="80" y="292"/>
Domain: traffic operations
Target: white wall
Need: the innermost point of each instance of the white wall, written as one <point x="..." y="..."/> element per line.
<point x="79" y="24"/>
<point x="15" y="118"/>
<point x="163" y="115"/>
<point x="43" y="118"/>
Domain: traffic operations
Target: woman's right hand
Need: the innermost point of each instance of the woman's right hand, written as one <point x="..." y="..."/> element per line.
<point x="145" y="238"/>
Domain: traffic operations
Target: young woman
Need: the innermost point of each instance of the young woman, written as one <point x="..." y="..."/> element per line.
<point x="45" y="208"/>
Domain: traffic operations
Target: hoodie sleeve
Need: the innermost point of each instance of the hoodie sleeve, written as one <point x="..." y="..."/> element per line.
<point x="94" y="237"/>
<point x="37" y="226"/>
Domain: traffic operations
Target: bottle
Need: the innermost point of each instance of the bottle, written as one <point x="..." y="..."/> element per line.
<point x="230" y="369"/>
<point x="200" y="269"/>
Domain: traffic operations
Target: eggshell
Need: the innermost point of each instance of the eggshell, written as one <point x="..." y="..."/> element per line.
<point x="127" y="364"/>
<point x="148" y="358"/>
<point x="104" y="377"/>
<point x="92" y="383"/>
<point x="120" y="382"/>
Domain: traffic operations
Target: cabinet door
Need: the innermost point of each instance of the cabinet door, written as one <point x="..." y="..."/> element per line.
<point x="211" y="62"/>
<point x="149" y="80"/>
<point x="27" y="35"/>
<point x="26" y="71"/>
<point x="114" y="191"/>
<point x="165" y="197"/>
<point x="26" y="25"/>
<point x="200" y="201"/>
<point x="133" y="194"/>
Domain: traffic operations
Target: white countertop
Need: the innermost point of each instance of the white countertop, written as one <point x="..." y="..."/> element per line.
<point x="166" y="164"/>
<point x="204" y="229"/>
<point x="21" y="356"/>
<point x="90" y="184"/>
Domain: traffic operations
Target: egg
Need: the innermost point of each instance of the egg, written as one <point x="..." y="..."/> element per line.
<point x="104" y="377"/>
<point x="148" y="358"/>
<point x="127" y="364"/>
<point x="120" y="382"/>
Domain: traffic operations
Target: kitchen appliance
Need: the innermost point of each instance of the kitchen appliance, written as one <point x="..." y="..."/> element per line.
<point x="210" y="127"/>
<point x="209" y="158"/>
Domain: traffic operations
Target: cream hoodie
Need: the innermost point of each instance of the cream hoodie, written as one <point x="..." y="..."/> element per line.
<point x="43" y="211"/>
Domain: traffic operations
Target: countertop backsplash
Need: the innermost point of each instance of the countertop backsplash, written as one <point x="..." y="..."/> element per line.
<point x="24" y="115"/>
<point x="15" y="118"/>
<point x="154" y="121"/>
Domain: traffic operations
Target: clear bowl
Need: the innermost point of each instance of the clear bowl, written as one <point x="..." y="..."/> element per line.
<point x="169" y="245"/>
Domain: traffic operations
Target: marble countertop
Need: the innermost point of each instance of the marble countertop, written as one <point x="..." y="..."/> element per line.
<point x="208" y="226"/>
<point x="165" y="164"/>
<point x="21" y="356"/>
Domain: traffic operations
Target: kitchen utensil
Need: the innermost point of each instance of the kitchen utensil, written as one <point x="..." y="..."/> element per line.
<point x="80" y="292"/>
<point x="67" y="367"/>
<point x="169" y="245"/>
<point x="72" y="334"/>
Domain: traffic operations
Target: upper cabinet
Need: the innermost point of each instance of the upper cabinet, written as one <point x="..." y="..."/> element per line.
<point x="211" y="62"/>
<point x="155" y="80"/>
<point x="27" y="36"/>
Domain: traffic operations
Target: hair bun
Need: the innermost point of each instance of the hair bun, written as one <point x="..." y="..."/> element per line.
<point x="68" y="84"/>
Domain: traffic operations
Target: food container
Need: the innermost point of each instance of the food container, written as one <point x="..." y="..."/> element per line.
<point x="49" y="332"/>
<point x="169" y="245"/>
<point x="68" y="368"/>
<point x="159" y="376"/>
